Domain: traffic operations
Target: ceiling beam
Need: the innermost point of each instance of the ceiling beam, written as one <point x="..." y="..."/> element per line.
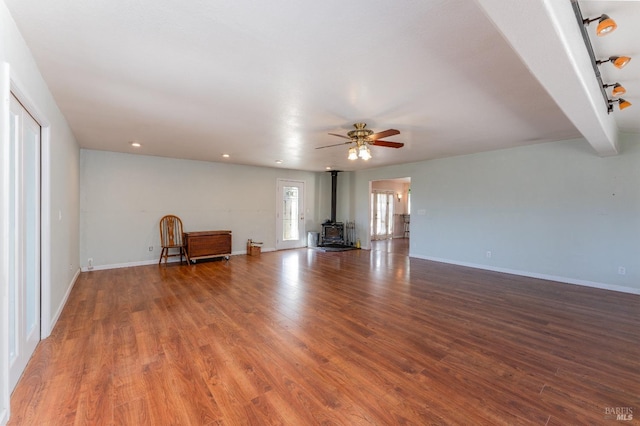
<point x="547" y="37"/>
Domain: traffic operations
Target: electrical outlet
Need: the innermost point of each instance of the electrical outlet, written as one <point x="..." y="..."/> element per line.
<point x="622" y="270"/>
<point x="150" y="248"/>
<point x="488" y="255"/>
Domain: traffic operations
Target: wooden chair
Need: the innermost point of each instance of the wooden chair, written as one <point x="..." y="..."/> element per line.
<point x="171" y="238"/>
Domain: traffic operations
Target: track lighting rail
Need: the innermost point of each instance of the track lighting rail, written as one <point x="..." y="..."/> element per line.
<point x="605" y="26"/>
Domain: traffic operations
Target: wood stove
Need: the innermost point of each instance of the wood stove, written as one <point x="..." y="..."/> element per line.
<point x="332" y="233"/>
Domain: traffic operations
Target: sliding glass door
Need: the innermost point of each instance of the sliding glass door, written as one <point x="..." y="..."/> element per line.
<point x="381" y="215"/>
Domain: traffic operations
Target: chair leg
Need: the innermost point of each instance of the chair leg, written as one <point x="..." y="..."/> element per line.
<point x="164" y="254"/>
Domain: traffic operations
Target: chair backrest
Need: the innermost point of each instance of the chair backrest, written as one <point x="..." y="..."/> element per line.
<point x="170" y="231"/>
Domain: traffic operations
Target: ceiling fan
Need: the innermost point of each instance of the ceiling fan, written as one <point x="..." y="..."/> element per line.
<point x="363" y="137"/>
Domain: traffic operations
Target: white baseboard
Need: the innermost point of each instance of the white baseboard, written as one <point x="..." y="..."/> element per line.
<point x="563" y="280"/>
<point x="52" y="323"/>
<point x="151" y="262"/>
<point x="124" y="265"/>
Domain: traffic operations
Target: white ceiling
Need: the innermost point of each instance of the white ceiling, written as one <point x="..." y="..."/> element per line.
<point x="266" y="81"/>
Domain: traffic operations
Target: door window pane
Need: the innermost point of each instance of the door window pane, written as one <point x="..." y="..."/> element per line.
<point x="381" y="225"/>
<point x="290" y="213"/>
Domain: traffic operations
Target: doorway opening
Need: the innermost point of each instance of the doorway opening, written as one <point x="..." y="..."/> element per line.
<point x="390" y="204"/>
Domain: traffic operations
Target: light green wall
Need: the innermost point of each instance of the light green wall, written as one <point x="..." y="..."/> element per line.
<point x="553" y="210"/>
<point x="125" y="195"/>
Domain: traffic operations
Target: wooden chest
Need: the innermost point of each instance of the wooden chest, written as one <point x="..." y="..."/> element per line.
<point x="208" y="244"/>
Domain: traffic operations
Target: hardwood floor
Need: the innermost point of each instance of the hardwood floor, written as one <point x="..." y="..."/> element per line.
<point x="302" y="337"/>
<point x="394" y="245"/>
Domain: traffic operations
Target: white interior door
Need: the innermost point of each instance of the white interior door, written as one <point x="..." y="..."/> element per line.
<point x="381" y="215"/>
<point x="24" y="239"/>
<point x="290" y="227"/>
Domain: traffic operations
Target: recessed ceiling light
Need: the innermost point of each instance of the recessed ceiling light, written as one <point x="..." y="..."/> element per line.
<point x="278" y="161"/>
<point x="226" y="155"/>
<point x="328" y="168"/>
<point x="135" y="144"/>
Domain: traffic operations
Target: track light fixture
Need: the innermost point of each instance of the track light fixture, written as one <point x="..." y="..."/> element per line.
<point x="606" y="25"/>
<point x="618" y="90"/>
<point x="622" y="104"/>
<point x="617" y="61"/>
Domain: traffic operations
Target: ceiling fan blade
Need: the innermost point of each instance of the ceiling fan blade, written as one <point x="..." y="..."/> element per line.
<point x="335" y="144"/>
<point x="388" y="144"/>
<point x="340" y="136"/>
<point x="384" y="134"/>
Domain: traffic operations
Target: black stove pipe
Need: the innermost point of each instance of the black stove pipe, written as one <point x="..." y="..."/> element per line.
<point x="334" y="193"/>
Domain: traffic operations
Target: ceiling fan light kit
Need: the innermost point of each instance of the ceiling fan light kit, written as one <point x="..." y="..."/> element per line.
<point x="364" y="152"/>
<point x="606" y="25"/>
<point x="364" y="137"/>
<point x="353" y="153"/>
